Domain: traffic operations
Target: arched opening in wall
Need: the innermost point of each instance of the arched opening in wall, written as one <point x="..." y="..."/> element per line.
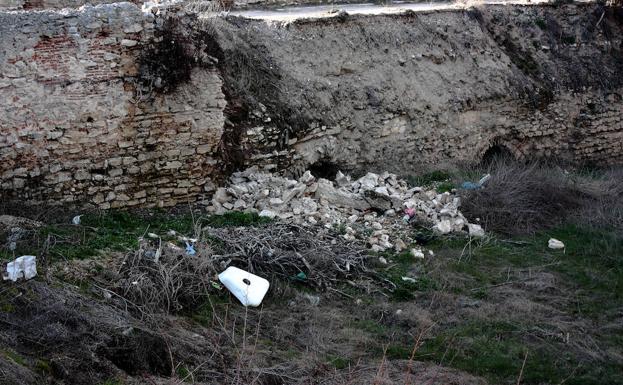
<point x="324" y="169"/>
<point x="495" y="153"/>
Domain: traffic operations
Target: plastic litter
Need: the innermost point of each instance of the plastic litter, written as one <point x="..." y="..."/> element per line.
<point x="409" y="213"/>
<point x="190" y="249"/>
<point x="467" y="185"/>
<point x="555" y="244"/>
<point x="470" y="186"/>
<point x="302" y="277"/>
<point x="484" y="179"/>
<point x="22" y="267"/>
<point x="76" y="220"/>
<point x="248" y="288"/>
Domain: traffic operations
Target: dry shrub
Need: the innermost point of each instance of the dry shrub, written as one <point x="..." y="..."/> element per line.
<point x="162" y="278"/>
<point x="525" y="198"/>
<point x="285" y="250"/>
<point x="604" y="208"/>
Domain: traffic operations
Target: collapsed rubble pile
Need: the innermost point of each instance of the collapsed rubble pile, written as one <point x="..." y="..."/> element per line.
<point x="374" y="208"/>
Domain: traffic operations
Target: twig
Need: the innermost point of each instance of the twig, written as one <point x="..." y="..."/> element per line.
<point x="522" y="367"/>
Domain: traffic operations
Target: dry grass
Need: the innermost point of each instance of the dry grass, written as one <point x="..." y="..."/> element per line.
<point x="526" y="198"/>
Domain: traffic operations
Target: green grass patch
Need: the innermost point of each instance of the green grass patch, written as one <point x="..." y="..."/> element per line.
<point x="43" y="367"/>
<point x="338" y="362"/>
<point x="15" y="357"/>
<point x="402" y="265"/>
<point x="117" y="230"/>
<point x="369" y="326"/>
<point x="429" y="178"/>
<point x="495" y="350"/>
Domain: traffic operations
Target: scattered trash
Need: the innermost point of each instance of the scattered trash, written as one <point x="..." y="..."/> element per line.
<point x="248" y="288"/>
<point x="408" y="279"/>
<point x="484" y="179"/>
<point x="470" y="186"/>
<point x="555" y="244"/>
<point x="409" y="213"/>
<point x="417" y="253"/>
<point x="152" y="235"/>
<point x="76" y="220"/>
<point x="467" y="185"/>
<point x="302" y="277"/>
<point x="190" y="249"/>
<point x="22" y="267"/>
<point x="475" y="230"/>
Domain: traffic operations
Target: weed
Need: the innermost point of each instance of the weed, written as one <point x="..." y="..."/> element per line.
<point x="404" y="290"/>
<point x="369" y="326"/>
<point x="13" y="356"/>
<point x="495" y="350"/>
<point x="183" y="372"/>
<point x="237" y="218"/>
<point x="429" y="178"/>
<point x="445" y="187"/>
<point x="338" y="362"/>
<point x="43" y="366"/>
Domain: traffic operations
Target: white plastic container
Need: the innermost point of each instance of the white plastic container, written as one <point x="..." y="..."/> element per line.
<point x="248" y="288"/>
<point x="23" y="267"/>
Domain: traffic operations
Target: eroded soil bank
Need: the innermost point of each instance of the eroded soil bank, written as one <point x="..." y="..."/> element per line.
<point x="424" y="89"/>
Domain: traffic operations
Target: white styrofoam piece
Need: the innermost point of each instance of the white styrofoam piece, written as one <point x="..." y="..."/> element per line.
<point x="25" y="266"/>
<point x="248" y="288"/>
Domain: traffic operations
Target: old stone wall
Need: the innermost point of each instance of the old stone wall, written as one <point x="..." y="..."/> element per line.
<point x="88" y="114"/>
<point x="74" y="125"/>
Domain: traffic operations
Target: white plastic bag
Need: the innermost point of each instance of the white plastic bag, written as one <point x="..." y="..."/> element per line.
<point x="22" y="267"/>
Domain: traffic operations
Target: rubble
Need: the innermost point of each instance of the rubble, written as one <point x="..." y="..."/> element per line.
<point x="376" y="208"/>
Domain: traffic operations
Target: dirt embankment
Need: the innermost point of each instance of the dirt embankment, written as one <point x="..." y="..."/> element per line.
<point x="424" y="89"/>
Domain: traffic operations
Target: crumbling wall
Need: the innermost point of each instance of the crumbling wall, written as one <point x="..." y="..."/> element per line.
<point x="434" y="89"/>
<point x="77" y="124"/>
<point x="51" y="4"/>
<point x="110" y="106"/>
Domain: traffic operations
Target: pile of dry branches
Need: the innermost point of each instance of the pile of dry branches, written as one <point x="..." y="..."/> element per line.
<point x="290" y="251"/>
<point x="161" y="277"/>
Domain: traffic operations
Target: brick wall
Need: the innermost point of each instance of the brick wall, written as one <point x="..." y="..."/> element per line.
<point x="73" y="126"/>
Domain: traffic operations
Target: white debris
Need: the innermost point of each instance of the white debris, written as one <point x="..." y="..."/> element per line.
<point x="22" y="267"/>
<point x="555" y="244"/>
<point x="444" y="226"/>
<point x="248" y="288"/>
<point x="76" y="220"/>
<point x="417" y="253"/>
<point x="267" y="213"/>
<point x="475" y="230"/>
<point x="345" y="202"/>
<point x="408" y="279"/>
